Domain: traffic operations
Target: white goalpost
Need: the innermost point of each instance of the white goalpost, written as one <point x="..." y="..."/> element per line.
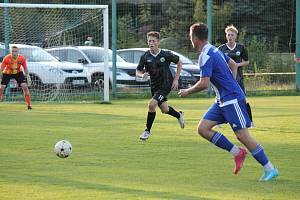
<point x="38" y="28"/>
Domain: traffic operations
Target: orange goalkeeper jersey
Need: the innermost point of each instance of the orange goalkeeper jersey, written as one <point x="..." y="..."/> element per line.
<point x="13" y="66"/>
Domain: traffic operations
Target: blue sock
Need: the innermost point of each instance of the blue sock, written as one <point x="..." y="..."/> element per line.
<point x="221" y="141"/>
<point x="259" y="154"/>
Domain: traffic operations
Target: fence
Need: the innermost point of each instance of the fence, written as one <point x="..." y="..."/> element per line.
<point x="266" y="28"/>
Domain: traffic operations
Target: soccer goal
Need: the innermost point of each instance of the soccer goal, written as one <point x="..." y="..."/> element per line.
<point x="49" y="35"/>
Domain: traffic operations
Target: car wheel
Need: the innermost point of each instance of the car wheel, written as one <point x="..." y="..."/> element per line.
<point x="98" y="81"/>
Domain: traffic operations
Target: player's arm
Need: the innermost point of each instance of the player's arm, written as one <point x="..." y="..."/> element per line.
<point x="140" y="72"/>
<point x="2" y="67"/>
<point x="245" y="61"/>
<point x="178" y="70"/>
<point x="202" y="84"/>
<point x="1" y="73"/>
<point x="26" y="72"/>
<point x="177" y="75"/>
<point x="233" y="66"/>
<point x="172" y="58"/>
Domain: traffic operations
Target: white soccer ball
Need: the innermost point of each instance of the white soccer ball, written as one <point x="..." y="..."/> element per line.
<point x="63" y="149"/>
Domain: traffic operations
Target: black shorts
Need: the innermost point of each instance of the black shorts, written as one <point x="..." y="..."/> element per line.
<point x="160" y="95"/>
<point x="19" y="77"/>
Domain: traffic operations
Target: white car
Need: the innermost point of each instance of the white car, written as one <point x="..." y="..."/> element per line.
<point x="93" y="59"/>
<point x="45" y="69"/>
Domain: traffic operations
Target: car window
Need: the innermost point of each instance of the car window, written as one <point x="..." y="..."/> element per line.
<point x="137" y="56"/>
<point x="73" y="56"/>
<point x="97" y="55"/>
<point x="127" y="56"/>
<point x="54" y="53"/>
<point x="37" y="55"/>
<point x="183" y="59"/>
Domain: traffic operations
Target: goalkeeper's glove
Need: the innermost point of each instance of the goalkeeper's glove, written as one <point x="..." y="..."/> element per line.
<point x="28" y="81"/>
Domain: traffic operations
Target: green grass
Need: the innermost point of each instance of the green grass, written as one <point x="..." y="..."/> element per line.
<point x="109" y="162"/>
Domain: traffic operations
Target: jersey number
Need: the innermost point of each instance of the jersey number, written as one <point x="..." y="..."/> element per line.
<point x="160" y="97"/>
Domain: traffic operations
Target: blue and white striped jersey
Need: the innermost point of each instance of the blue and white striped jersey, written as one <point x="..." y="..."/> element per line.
<point x="213" y="64"/>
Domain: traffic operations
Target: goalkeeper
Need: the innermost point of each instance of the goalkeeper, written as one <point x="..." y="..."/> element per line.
<point x="11" y="68"/>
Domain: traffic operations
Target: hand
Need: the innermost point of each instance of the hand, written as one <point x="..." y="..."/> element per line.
<point x="183" y="92"/>
<point x="175" y="85"/>
<point x="145" y="76"/>
<point x="28" y="81"/>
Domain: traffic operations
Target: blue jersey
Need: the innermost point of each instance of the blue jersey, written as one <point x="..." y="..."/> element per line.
<point x="213" y="64"/>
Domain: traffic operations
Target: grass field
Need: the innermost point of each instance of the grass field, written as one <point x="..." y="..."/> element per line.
<point x="109" y="162"/>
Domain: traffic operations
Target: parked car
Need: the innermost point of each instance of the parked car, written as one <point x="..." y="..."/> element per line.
<point x="134" y="54"/>
<point x="93" y="59"/>
<point x="45" y="69"/>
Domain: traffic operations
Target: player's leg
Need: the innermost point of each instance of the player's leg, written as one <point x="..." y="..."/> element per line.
<point x="2" y="89"/>
<point x="150" y="118"/>
<point x="20" y="78"/>
<point x="179" y="115"/>
<point x="205" y="128"/>
<point x="215" y="116"/>
<point x="5" y="80"/>
<point x="239" y="120"/>
<point x="258" y="153"/>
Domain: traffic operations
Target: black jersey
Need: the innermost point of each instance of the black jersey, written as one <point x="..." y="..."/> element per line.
<point x="158" y="67"/>
<point x="238" y="53"/>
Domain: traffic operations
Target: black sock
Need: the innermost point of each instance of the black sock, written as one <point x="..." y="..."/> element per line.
<point x="249" y="111"/>
<point x="173" y="112"/>
<point x="150" y="119"/>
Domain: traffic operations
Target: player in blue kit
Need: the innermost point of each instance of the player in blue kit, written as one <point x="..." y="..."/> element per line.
<point x="230" y="105"/>
<point x="239" y="54"/>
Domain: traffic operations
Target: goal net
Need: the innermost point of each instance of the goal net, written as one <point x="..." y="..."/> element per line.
<point x="63" y="74"/>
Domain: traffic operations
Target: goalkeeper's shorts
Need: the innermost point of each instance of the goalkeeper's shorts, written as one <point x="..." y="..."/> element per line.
<point x="19" y="77"/>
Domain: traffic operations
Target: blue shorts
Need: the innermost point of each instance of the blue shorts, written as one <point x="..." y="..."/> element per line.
<point x="234" y="112"/>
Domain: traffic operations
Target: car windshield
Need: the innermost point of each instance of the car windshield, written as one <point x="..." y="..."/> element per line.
<point x="37" y="55"/>
<point x="183" y="59"/>
<point x="97" y="55"/>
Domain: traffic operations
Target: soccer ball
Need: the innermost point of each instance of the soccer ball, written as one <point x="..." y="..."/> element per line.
<point x="63" y="149"/>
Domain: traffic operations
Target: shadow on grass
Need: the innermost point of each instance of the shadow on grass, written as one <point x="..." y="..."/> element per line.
<point x="101" y="187"/>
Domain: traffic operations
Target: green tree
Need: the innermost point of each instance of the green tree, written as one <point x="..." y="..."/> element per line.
<point x="199" y="13"/>
<point x="258" y="56"/>
<point x="266" y="19"/>
<point x="125" y="34"/>
<point x="221" y="16"/>
<point x="179" y="16"/>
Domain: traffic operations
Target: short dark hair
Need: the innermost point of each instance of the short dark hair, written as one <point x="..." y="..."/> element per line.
<point x="200" y="30"/>
<point x="153" y="34"/>
<point x="14" y="47"/>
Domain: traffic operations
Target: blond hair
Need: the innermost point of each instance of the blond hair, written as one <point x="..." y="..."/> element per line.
<point x="231" y="28"/>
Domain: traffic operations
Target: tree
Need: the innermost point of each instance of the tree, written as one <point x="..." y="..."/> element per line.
<point x="267" y="19"/>
<point x="179" y="14"/>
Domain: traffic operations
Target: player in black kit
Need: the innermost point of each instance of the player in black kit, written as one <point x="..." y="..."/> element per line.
<point x="239" y="54"/>
<point x="156" y="64"/>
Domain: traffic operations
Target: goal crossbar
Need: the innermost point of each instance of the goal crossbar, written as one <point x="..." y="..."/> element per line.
<point x="67" y="6"/>
<point x="105" y="12"/>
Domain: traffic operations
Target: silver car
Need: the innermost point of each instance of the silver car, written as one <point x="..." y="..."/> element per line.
<point x="92" y="59"/>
